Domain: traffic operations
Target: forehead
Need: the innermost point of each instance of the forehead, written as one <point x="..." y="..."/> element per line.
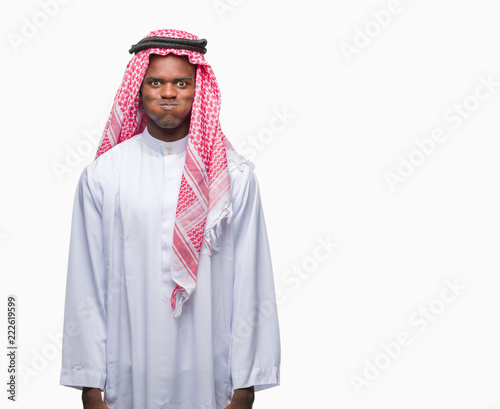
<point x="169" y="65"/>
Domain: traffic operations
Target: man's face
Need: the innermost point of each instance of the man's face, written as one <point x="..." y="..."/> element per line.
<point x="167" y="94"/>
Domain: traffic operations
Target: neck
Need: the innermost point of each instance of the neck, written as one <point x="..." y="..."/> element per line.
<point x="168" y="134"/>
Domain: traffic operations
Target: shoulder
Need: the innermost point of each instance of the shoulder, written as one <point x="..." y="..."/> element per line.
<point x="100" y="175"/>
<point x="107" y="164"/>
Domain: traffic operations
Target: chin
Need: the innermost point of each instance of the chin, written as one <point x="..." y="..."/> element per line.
<point x="169" y="125"/>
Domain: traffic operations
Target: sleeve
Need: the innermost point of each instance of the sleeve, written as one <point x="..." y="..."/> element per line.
<point x="255" y="355"/>
<point x="84" y="335"/>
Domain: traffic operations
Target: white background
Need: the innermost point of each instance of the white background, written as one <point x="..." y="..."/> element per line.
<point x="352" y="117"/>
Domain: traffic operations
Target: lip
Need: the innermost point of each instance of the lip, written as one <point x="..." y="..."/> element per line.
<point x="169" y="107"/>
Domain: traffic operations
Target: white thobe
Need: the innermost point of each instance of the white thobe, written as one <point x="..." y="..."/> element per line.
<point x="119" y="331"/>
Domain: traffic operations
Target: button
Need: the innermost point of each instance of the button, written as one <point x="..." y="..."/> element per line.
<point x="169" y="149"/>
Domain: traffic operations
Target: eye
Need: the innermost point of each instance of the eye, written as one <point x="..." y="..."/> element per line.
<point x="182" y="83"/>
<point x="155" y="83"/>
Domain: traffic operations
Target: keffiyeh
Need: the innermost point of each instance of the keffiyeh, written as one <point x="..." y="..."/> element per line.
<point x="204" y="195"/>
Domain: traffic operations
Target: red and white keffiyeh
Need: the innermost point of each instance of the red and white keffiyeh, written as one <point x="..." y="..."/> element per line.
<point x="204" y="196"/>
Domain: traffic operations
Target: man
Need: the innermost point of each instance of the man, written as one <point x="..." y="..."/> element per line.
<point x="169" y="207"/>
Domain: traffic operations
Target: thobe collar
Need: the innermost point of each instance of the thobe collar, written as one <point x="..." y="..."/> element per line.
<point x="166" y="148"/>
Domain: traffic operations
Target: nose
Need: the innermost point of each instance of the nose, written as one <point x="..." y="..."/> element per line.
<point x="168" y="91"/>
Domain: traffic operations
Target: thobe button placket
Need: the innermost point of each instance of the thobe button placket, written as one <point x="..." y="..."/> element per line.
<point x="169" y="200"/>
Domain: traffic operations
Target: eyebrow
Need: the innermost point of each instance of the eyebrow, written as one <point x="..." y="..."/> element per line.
<point x="160" y="79"/>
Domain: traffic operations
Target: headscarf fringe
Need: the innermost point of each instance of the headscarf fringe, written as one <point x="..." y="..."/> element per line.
<point x="213" y="233"/>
